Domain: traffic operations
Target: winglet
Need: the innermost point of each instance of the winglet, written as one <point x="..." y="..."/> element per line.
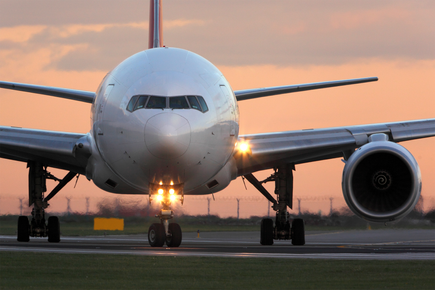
<point x="155" y="38"/>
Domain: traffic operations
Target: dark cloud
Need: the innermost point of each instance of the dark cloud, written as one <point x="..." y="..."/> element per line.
<point x="237" y="32"/>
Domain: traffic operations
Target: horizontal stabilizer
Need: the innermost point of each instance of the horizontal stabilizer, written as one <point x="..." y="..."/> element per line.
<point x="264" y="92"/>
<point x="76" y="95"/>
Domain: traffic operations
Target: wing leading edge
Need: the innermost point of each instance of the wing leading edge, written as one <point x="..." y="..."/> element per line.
<point x="272" y="149"/>
<point x="264" y="92"/>
<point x="76" y="95"/>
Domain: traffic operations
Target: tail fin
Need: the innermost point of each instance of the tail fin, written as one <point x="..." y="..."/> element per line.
<point x="155" y="38"/>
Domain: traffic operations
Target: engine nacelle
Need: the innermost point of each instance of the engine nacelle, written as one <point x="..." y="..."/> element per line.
<point x="381" y="180"/>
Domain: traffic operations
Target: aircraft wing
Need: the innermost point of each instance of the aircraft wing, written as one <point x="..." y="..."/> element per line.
<point x="67" y="151"/>
<point x="242" y="95"/>
<point x="76" y="95"/>
<point x="272" y="149"/>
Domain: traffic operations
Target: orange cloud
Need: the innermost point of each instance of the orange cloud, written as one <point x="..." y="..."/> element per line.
<point x="20" y="33"/>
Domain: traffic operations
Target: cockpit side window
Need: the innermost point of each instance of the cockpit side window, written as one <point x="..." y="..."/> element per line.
<point x="178" y="103"/>
<point x="132" y="102"/>
<point x="141" y="102"/>
<point x="156" y="103"/>
<point x="194" y="103"/>
<point x="203" y="104"/>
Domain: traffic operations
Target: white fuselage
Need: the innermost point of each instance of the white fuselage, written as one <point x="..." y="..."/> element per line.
<point x="186" y="147"/>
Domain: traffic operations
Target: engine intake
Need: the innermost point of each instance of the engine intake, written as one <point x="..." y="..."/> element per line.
<point x="381" y="181"/>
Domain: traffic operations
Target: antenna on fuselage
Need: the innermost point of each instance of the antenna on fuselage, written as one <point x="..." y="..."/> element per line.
<point x="155" y="38"/>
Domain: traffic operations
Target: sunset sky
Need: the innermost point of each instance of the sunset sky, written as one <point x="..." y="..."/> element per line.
<point x="73" y="44"/>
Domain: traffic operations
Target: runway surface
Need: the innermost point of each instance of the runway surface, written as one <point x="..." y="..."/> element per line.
<point x="365" y="245"/>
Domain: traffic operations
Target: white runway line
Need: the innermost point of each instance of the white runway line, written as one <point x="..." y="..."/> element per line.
<point x="347" y="256"/>
<point x="169" y="253"/>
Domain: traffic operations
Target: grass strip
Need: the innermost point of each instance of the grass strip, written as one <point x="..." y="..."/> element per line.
<point x="76" y="271"/>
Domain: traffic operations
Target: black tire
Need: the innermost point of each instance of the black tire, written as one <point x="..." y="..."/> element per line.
<point x="176" y="236"/>
<point x="156" y="235"/>
<point x="266" y="236"/>
<point x="53" y="228"/>
<point x="23" y="229"/>
<point x="298" y="232"/>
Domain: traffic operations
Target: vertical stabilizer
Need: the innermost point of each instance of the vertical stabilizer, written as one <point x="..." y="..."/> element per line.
<point x="155" y="29"/>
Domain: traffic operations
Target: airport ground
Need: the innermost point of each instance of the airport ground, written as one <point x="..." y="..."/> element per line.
<point x="334" y="257"/>
<point x="22" y="270"/>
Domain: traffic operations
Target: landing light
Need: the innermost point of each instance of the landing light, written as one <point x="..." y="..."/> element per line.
<point x="172" y="197"/>
<point x="172" y="183"/>
<point x="243" y="147"/>
<point x="160" y="191"/>
<point x="171" y="191"/>
<point x="160" y="197"/>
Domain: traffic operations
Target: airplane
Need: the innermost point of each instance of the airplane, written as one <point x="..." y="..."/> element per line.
<point x="165" y="123"/>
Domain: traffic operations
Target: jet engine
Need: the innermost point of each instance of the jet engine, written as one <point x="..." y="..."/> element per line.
<point x="381" y="180"/>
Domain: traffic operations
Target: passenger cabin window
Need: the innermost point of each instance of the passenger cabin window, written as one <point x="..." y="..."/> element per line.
<point x="154" y="102"/>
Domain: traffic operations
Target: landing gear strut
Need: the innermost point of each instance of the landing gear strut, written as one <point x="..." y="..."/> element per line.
<point x="38" y="176"/>
<point x="165" y="232"/>
<point x="283" y="178"/>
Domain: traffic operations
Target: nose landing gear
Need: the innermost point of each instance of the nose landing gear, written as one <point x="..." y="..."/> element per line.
<point x="165" y="232"/>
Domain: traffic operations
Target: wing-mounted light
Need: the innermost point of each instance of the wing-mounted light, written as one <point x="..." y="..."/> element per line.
<point x="243" y="148"/>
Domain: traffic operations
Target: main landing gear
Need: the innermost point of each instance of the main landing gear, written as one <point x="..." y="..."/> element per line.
<point x="165" y="232"/>
<point x="37" y="227"/>
<point x="283" y="178"/>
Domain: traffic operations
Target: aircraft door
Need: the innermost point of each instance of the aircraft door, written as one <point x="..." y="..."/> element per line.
<point x="228" y="108"/>
<point x="99" y="124"/>
<point x="102" y="104"/>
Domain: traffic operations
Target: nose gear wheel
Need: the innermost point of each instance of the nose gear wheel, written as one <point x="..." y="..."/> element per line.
<point x="165" y="232"/>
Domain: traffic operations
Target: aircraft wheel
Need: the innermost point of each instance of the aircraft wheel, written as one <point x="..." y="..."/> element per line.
<point x="53" y="228"/>
<point x="266" y="236"/>
<point x="175" y="239"/>
<point x="298" y="232"/>
<point x="156" y="235"/>
<point x="23" y="229"/>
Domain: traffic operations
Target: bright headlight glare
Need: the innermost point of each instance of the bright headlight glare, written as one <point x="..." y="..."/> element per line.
<point x="172" y="197"/>
<point x="243" y="147"/>
<point x="160" y="191"/>
<point x="171" y="191"/>
<point x="159" y="197"/>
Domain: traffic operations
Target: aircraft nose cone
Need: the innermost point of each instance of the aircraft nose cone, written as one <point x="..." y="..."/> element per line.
<point x="167" y="135"/>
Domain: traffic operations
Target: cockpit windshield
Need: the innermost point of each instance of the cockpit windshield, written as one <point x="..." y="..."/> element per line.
<point x="175" y="103"/>
<point x="156" y="103"/>
<point x="178" y="103"/>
